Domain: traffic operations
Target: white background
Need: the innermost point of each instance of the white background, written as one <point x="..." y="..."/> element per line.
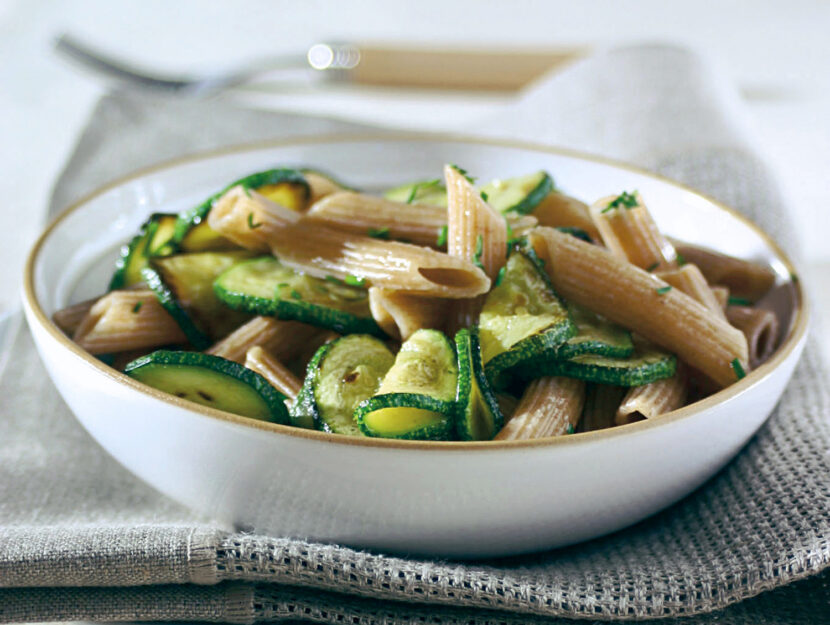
<point x="778" y="53"/>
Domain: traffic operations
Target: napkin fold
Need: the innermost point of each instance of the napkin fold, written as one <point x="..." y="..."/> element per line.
<point x="80" y="538"/>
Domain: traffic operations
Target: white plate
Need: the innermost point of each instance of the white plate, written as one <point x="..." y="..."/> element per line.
<point x="451" y="499"/>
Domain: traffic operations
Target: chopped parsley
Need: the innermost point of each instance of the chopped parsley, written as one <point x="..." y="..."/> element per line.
<point x="570" y="429"/>
<point x="354" y="281"/>
<point x="484" y="196"/>
<point x="738" y="301"/>
<point x="296" y="294"/>
<point x="333" y="280"/>
<point x="464" y="173"/>
<point x="251" y="223"/>
<point x="793" y="277"/>
<point x="624" y="200"/>
<point x="443" y="233"/>
<point x="500" y="276"/>
<point x="653" y="267"/>
<point x="138" y="306"/>
<point x="413" y="194"/>
<point x="663" y="290"/>
<point x="681" y="260"/>
<point x="379" y="233"/>
<point x="479" y="251"/>
<point x="738" y="369"/>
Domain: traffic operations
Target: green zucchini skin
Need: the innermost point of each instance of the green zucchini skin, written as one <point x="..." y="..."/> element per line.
<point x="265" y="297"/>
<point x="318" y="404"/>
<point x="439" y="428"/>
<point x="478" y="415"/>
<point x="154" y="238"/>
<point x="211" y="381"/>
<point x="193" y="217"/>
<point x="594" y="335"/>
<point x="519" y="195"/>
<point x="198" y="339"/>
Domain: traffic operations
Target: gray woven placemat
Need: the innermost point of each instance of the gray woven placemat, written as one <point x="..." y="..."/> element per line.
<point x="81" y="538"/>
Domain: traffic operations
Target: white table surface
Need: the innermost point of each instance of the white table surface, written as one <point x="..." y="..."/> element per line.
<point x="777" y="52"/>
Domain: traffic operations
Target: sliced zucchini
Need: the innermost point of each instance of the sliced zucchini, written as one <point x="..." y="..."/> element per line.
<point x="416" y="399"/>
<point x="432" y="192"/>
<point x="518" y="195"/>
<point x="264" y="286"/>
<point x="287" y="187"/>
<point x="341" y="374"/>
<point x="522" y="317"/>
<point x="153" y="239"/>
<point x="184" y="285"/>
<point x="595" y="335"/>
<point x="211" y="381"/>
<point x="478" y="415"/>
<point x="646" y="365"/>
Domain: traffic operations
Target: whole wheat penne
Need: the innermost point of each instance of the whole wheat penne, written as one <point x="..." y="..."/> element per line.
<point x="420" y="224"/>
<point x="475" y="232"/>
<point x="760" y="327"/>
<point x="601" y="403"/>
<point x="721" y="294"/>
<point x="507" y="404"/>
<point x="321" y="186"/>
<point x="629" y="231"/>
<point x="559" y="210"/>
<point x="550" y="406"/>
<point x="689" y="280"/>
<point x="127" y="320"/>
<point x="257" y="223"/>
<point x="68" y="319"/>
<point x="595" y="278"/>
<point x="401" y="314"/>
<point x="743" y="277"/>
<point x="284" y="339"/>
<point x="655" y="399"/>
<point x="259" y="360"/>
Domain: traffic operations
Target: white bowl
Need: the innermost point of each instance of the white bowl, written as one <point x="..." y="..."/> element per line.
<point x="445" y="498"/>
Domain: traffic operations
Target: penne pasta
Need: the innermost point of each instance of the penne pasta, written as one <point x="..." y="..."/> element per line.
<point x="744" y="278"/>
<point x="127" y="320"/>
<point x="760" y="327"/>
<point x="595" y="278"/>
<point x="550" y="406"/>
<point x="421" y="224"/>
<point x="259" y="360"/>
<point x="601" y="404"/>
<point x="655" y="399"/>
<point x="256" y="223"/>
<point x="629" y="231"/>
<point x="690" y="281"/>
<point x="558" y="210"/>
<point x="68" y="319"/>
<point x="476" y="232"/>
<point x="721" y="294"/>
<point x="400" y="314"/>
<point x="321" y="186"/>
<point x="284" y="339"/>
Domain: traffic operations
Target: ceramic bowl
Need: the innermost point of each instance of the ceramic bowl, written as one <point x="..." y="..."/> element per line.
<point x="441" y="498"/>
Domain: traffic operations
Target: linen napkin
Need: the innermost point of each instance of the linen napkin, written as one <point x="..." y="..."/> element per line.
<point x="80" y="538"/>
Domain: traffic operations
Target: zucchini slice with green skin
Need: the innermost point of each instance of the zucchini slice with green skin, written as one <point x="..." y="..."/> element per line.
<point x="341" y="374"/>
<point x="432" y="192"/>
<point x="264" y="286"/>
<point x="416" y="399"/>
<point x="478" y="416"/>
<point x="211" y="381"/>
<point x="521" y="318"/>
<point x="154" y="238"/>
<point x="647" y="365"/>
<point x="518" y="195"/>
<point x="594" y="335"/>
<point x="287" y="187"/>
<point x="183" y="285"/>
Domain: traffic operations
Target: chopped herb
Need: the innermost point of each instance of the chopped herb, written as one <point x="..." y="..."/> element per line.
<point x="421" y="185"/>
<point x="282" y="285"/>
<point x="570" y="429"/>
<point x="500" y="276"/>
<point x="681" y="260"/>
<point x="379" y="233"/>
<point x="464" y="173"/>
<point x="479" y="251"/>
<point x="653" y="267"/>
<point x="579" y="233"/>
<point x="296" y="294"/>
<point x="251" y="223"/>
<point x="663" y="290"/>
<point x="793" y="277"/>
<point x="138" y="306"/>
<point x="484" y="196"/>
<point x="354" y="281"/>
<point x="738" y="369"/>
<point x="247" y="191"/>
<point x="738" y="301"/>
<point x="441" y="241"/>
<point x="625" y="199"/>
<point x="332" y="279"/>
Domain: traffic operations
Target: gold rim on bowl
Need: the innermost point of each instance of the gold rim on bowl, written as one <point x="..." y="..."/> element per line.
<point x="797" y="329"/>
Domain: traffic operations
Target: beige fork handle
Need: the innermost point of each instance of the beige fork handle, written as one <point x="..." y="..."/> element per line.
<point x="494" y="70"/>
